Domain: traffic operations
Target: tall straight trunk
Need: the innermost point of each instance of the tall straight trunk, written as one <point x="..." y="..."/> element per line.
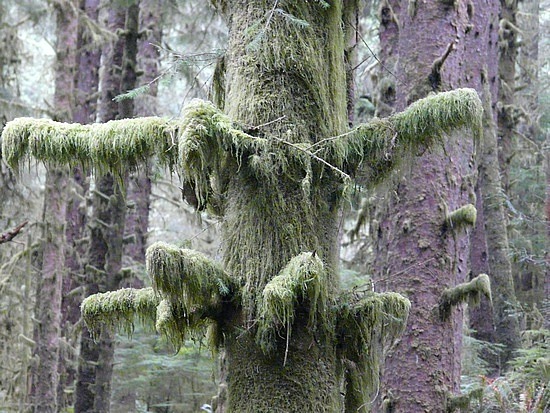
<point x="506" y="110"/>
<point x="107" y="228"/>
<point x="45" y="373"/>
<point x="86" y="86"/>
<point x="416" y="254"/>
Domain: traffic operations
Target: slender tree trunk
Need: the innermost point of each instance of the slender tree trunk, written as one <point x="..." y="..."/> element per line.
<point x="415" y="253"/>
<point x="105" y="251"/>
<point x="48" y="308"/>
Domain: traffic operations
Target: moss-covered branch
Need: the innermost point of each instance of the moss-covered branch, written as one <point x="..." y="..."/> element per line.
<point x="187" y="277"/>
<point x="464" y="216"/>
<point x="367" y="326"/>
<point x="379" y="146"/>
<point x="470" y="291"/>
<point x="113" y="146"/>
<point x="118" y="309"/>
<point x="303" y="278"/>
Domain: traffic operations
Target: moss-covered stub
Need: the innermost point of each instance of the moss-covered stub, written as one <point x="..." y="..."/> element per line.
<point x="368" y="324"/>
<point x="463" y="217"/>
<point x="470" y="291"/>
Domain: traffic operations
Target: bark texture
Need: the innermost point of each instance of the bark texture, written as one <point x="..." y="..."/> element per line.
<point x="415" y="255"/>
<point x="48" y="306"/>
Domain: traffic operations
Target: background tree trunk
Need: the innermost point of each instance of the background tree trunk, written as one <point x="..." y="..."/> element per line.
<point x="415" y="254"/>
<point x="48" y="306"/>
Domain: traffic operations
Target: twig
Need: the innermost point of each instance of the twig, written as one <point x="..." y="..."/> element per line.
<point x="342" y="173"/>
<point x="8" y="236"/>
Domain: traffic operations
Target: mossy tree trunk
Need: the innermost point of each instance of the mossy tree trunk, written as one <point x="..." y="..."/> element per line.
<point x="417" y="254"/>
<point x="48" y="305"/>
<point x="274" y="165"/>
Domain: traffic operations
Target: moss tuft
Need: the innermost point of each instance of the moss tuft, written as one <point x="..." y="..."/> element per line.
<point x="470" y="291"/>
<point x="303" y="279"/>
<point x="118" y="309"/>
<point x="368" y="325"/>
<point x="192" y="289"/>
<point x="464" y="216"/>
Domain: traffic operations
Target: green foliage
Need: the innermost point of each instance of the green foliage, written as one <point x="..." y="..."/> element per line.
<point x="379" y="145"/>
<point x="368" y="325"/>
<point x="469" y="291"/>
<point x="303" y="279"/>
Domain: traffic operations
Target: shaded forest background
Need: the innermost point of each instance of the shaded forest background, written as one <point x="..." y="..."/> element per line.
<point x="187" y="40"/>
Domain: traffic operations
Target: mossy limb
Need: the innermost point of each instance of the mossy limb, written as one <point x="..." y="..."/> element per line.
<point x="303" y="278"/>
<point x="381" y="144"/>
<point x="115" y="146"/>
<point x="119" y="309"/>
<point x="464" y="216"/>
<point x="469" y="291"/>
<point x="368" y="324"/>
<point x="187" y="277"/>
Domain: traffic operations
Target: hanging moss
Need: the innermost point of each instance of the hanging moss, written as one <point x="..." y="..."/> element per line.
<point x="462" y="217"/>
<point x="368" y="324"/>
<point x="119" y="309"/>
<point x="187" y="278"/>
<point x="303" y="278"/>
<point x="114" y="146"/>
<point x="381" y="144"/>
<point x="470" y="291"/>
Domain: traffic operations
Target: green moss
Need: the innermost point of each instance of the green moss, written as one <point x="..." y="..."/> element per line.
<point x="464" y="216"/>
<point x="368" y="324"/>
<point x="302" y="280"/>
<point x="380" y="145"/>
<point x="470" y="291"/>
<point x="119" y="309"/>
<point x="114" y="146"/>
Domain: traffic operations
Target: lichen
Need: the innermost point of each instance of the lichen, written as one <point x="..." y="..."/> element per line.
<point x="368" y="324"/>
<point x="464" y="216"/>
<point x="469" y="291"/>
<point x="118" y="309"/>
<point x="303" y="279"/>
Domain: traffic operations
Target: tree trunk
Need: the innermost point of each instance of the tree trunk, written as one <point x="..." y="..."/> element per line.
<point x="416" y="254"/>
<point x="256" y="94"/>
<point x="105" y="250"/>
<point x="48" y="306"/>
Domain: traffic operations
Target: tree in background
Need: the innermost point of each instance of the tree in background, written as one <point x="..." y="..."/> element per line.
<point x="275" y="164"/>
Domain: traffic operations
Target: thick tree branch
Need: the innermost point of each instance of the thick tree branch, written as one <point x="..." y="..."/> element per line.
<point x="10" y="235"/>
<point x="368" y="324"/>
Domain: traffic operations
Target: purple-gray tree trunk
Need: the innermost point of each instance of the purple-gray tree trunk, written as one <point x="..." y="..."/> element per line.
<point x="45" y="373"/>
<point x="416" y="255"/>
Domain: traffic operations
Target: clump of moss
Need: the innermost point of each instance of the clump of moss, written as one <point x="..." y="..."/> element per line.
<point x="302" y="280"/>
<point x="469" y="291"/>
<point x="118" y="309"/>
<point x="368" y="324"/>
<point x="464" y="216"/>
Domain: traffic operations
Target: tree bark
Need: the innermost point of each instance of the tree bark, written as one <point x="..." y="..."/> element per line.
<point x="415" y="255"/>
<point x="48" y="306"/>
